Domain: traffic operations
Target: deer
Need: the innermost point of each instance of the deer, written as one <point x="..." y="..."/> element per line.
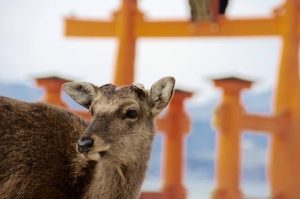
<point x="49" y="152"/>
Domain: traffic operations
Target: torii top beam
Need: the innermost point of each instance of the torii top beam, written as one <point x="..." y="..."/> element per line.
<point x="176" y="28"/>
<point x="180" y="28"/>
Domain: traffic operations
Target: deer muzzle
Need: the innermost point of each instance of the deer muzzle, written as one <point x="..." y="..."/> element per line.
<point x="92" y="147"/>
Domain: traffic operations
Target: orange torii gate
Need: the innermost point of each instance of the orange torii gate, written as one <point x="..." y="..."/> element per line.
<point x="128" y="24"/>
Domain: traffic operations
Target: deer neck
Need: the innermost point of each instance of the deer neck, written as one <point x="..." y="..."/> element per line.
<point x="113" y="181"/>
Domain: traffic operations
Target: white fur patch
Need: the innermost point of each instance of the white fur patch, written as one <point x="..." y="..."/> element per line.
<point x="140" y="86"/>
<point x="94" y="156"/>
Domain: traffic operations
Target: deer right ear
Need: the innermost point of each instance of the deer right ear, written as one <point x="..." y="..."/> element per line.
<point x="160" y="94"/>
<point x="83" y="93"/>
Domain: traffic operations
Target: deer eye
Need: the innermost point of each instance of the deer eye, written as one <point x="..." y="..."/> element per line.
<point x="131" y="114"/>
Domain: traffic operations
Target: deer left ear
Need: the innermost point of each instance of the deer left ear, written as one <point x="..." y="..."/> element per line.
<point x="83" y="93"/>
<point x="160" y="94"/>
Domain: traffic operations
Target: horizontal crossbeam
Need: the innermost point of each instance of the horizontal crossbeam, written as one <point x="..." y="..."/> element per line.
<point x="147" y="28"/>
<point x="266" y="124"/>
<point x="224" y="27"/>
<point x="89" y="28"/>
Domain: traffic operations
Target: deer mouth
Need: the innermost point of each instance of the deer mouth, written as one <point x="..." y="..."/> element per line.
<point x="96" y="154"/>
<point x="102" y="154"/>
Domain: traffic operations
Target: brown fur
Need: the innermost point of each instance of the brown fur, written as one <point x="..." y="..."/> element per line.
<point x="37" y="151"/>
<point x="37" y="144"/>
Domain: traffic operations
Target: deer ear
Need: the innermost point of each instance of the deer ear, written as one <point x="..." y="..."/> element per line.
<point x="83" y="93"/>
<point x="160" y="94"/>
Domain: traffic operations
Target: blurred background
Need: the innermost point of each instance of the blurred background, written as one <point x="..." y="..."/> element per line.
<point x="34" y="44"/>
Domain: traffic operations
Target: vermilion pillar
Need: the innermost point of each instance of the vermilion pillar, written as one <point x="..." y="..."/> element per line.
<point x="52" y="86"/>
<point x="175" y="124"/>
<point x="228" y="121"/>
<point x="125" y="31"/>
<point x="285" y="147"/>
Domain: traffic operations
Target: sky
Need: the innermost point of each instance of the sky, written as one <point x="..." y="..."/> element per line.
<point x="32" y="44"/>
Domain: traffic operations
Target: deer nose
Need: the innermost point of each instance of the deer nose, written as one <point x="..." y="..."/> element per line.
<point x="85" y="144"/>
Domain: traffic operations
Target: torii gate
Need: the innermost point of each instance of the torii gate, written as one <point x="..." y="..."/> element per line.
<point x="129" y="24"/>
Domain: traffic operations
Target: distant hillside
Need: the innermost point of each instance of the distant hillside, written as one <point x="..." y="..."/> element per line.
<point x="30" y="93"/>
<point x="20" y="91"/>
<point x="254" y="102"/>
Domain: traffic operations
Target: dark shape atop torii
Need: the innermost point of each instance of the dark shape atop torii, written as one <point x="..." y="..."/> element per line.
<point x="207" y="9"/>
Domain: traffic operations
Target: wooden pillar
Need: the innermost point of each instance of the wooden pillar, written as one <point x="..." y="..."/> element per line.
<point x="125" y="31"/>
<point x="175" y="124"/>
<point x="285" y="147"/>
<point x="228" y="122"/>
<point x="52" y="86"/>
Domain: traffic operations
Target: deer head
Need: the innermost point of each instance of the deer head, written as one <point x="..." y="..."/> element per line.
<point x="121" y="128"/>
